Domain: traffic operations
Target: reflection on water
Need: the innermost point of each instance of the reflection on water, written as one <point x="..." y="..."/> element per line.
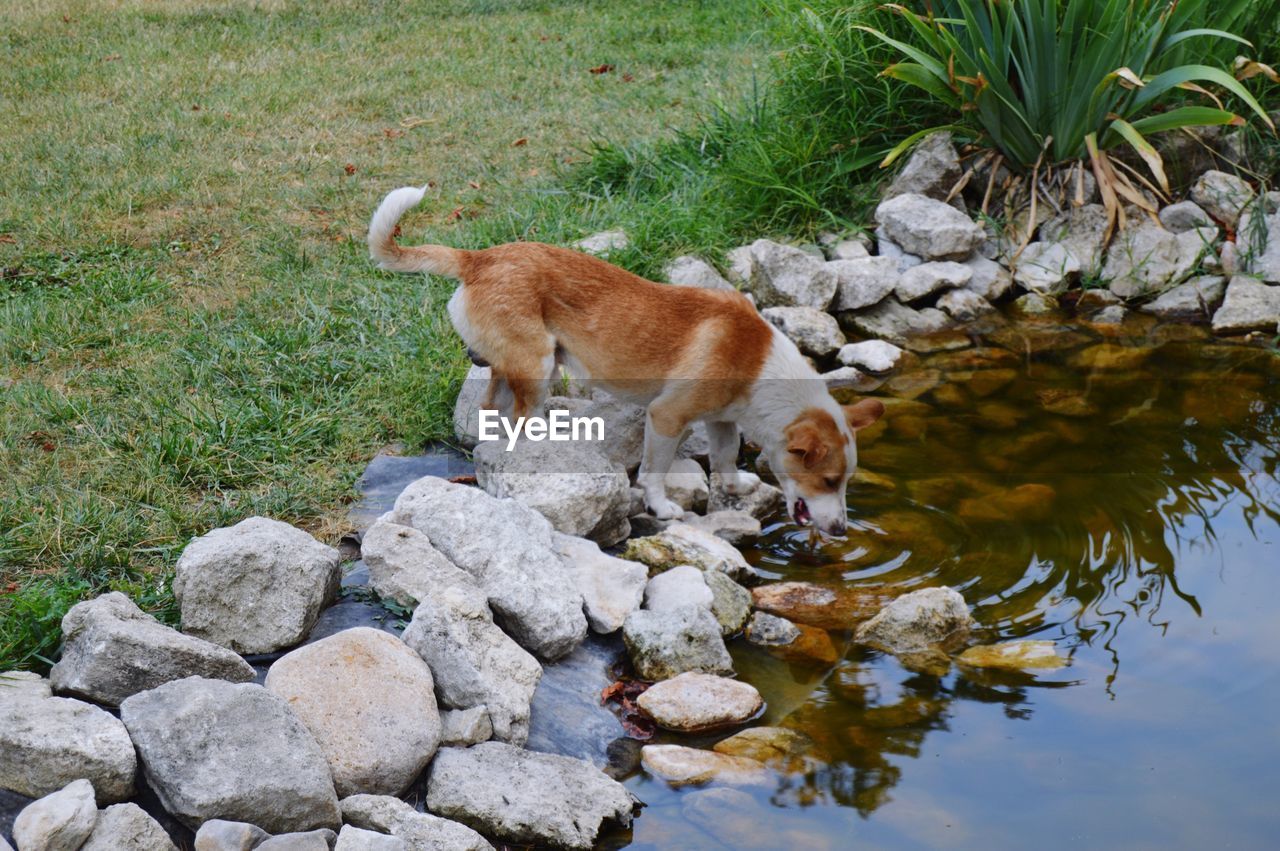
<point x="1114" y="492"/>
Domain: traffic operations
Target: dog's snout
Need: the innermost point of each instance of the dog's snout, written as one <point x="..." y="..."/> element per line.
<point x="839" y="527"/>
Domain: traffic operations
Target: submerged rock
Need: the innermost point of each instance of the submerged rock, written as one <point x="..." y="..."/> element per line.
<point x="1030" y="503"/>
<point x="770" y="745"/>
<point x="417" y="830"/>
<point x="611" y="587"/>
<point x="681" y="543"/>
<point x="817" y="605"/>
<point x="522" y="797"/>
<point x="770" y="630"/>
<point x="127" y="827"/>
<point x="666" y="643"/>
<point x="1015" y="655"/>
<point x="694" y="702"/>
<point x="917" y="621"/>
<point x="61" y="821"/>
<point x="682" y="766"/>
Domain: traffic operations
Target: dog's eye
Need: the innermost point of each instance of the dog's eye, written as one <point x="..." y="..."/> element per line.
<point x="832" y="482"/>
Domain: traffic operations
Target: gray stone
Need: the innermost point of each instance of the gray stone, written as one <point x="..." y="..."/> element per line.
<point x="893" y="321"/>
<point x="419" y="831"/>
<point x="48" y="742"/>
<point x="574" y="484"/>
<point x="682" y="766"/>
<point x="682" y="585"/>
<point x="1083" y="232"/>
<point x="604" y="243"/>
<point x="928" y="278"/>
<point x="255" y="587"/>
<point x="61" y="821"/>
<point x="785" y="276"/>
<point x="814" y="332"/>
<point x="127" y="827"/>
<point x="736" y="527"/>
<point x="761" y="502"/>
<point x="847" y="249"/>
<point x="1262" y="255"/>
<point x="1184" y="216"/>
<point x="1143" y="258"/>
<point x="933" y="169"/>
<point x="523" y="797"/>
<point x="222" y="835"/>
<point x="872" y="355"/>
<point x="213" y="749"/>
<point x="1035" y="304"/>
<point x="508" y="549"/>
<point x="473" y="662"/>
<point x="113" y="649"/>
<point x="466" y="408"/>
<point x="405" y="567"/>
<point x="989" y="279"/>
<point x="1249" y="305"/>
<point x="370" y="702"/>
<point x="623" y="431"/>
<point x="694" y="703"/>
<point x="687" y="271"/>
<point x="730" y="602"/>
<point x="1195" y="299"/>
<point x="928" y="228"/>
<point x="312" y="840"/>
<point x="611" y="587"/>
<point x="770" y="630"/>
<point x="663" y="644"/>
<point x="355" y="839"/>
<point x="462" y="727"/>
<point x="886" y="247"/>
<point x="681" y="543"/>
<point x="841" y="377"/>
<point x="687" y="484"/>
<point x="864" y="281"/>
<point x="1221" y="195"/>
<point x="1047" y="268"/>
<point x="1113" y="314"/>
<point x="964" y="305"/>
<point x="917" y="621"/>
<point x="739" y="264"/>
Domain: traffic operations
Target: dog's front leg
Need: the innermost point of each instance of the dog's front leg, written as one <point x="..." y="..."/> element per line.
<point x="659" y="454"/>
<point x="724" y="441"/>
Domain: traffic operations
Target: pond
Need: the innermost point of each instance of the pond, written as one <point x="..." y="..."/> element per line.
<point x="1113" y="489"/>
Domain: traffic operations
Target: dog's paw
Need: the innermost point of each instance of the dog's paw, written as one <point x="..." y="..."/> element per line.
<point x="665" y="509"/>
<point x="742" y="483"/>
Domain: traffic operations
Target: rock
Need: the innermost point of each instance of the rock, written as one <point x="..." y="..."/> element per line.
<point x="61" y="821"/>
<point x="623" y="429"/>
<point x="419" y="831"/>
<point x="988" y="278"/>
<point x="682" y="585"/>
<point x="611" y="587"/>
<point x="770" y="745"/>
<point x="462" y="727"/>
<point x="573" y="484"/>
<point x="893" y="321"/>
<point x="466" y="408"/>
<point x="1083" y="232"/>
<point x="736" y="527"/>
<point x="842" y="377"/>
<point x="817" y="605"/>
<point x="933" y="169"/>
<point x="312" y="840"/>
<point x="604" y="243"/>
<point x="681" y="766"/>
<point x="1029" y="503"/>
<point x="864" y="281"/>
<point x="928" y="228"/>
<point x="221" y="835"/>
<point x="847" y="249"/>
<point x="113" y="649"/>
<point x="213" y="749"/>
<point x="48" y="742"/>
<point x="813" y="646"/>
<point x="1014" y="655"/>
<point x="916" y="621"/>
<point x="508" y="549"/>
<point x="814" y="332"/>
<point x="663" y="644"/>
<point x="405" y="567"/>
<point x="1047" y="268"/>
<point x="784" y="276"/>
<point x="526" y="798"/>
<point x="739" y="264"/>
<point x="355" y="839"/>
<point x="1113" y="315"/>
<point x="370" y="702"/>
<point x="770" y="630"/>
<point x="964" y="305"/>
<point x="1223" y="196"/>
<point x="1184" y="216"/>
<point x="730" y="604"/>
<point x="1196" y="299"/>
<point x="687" y="482"/>
<point x="255" y="587"/>
<point x="928" y="278"/>
<point x="127" y="827"/>
<point x="1035" y="304"/>
<point x="886" y="247"/>
<point x="687" y="271"/>
<point x="681" y="543"/>
<point x="1249" y="305"/>
<point x="762" y="501"/>
<point x="1262" y="258"/>
<point x="473" y="662"/>
<point x="1147" y="258"/>
<point x="695" y="703"/>
<point x="872" y="355"/>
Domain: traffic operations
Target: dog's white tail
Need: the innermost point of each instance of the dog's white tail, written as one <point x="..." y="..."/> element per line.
<point x="435" y="259"/>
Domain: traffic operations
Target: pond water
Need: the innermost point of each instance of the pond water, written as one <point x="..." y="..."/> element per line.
<point x="1112" y="489"/>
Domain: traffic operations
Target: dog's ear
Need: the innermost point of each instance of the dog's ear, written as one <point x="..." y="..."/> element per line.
<point x="804" y="441"/>
<point x="864" y="413"/>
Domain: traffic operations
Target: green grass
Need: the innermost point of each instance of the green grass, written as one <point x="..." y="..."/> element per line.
<point x="190" y="330"/>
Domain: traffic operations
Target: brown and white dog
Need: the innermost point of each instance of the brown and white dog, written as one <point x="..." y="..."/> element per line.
<point x="687" y="354"/>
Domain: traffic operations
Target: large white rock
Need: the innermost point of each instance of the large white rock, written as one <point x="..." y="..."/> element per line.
<point x="1263" y="246"/>
<point x="933" y="169"/>
<point x="127" y="827"/>
<point x="872" y="355"/>
<point x="893" y="321"/>
<point x="466" y="408"/>
<point x="682" y="766"/>
<point x="61" y="821"/>
<point x="814" y="332"/>
<point x="1196" y="299"/>
<point x="1047" y="268"/>
<point x="604" y="243"/>
<point x="47" y="742"/>
<point x="112" y="649"/>
<point x="357" y="839"/>
<point x="694" y="702"/>
<point x="235" y="751"/>
<point x="928" y="228"/>
<point x="688" y="271"/>
<point x="418" y="831"/>
<point x="680" y="586"/>
<point x="1184" y="216"/>
<point x="370" y="702"/>
<point x="928" y="278"/>
<point x="405" y="567"/>
<point x="526" y="798"/>
<point x="665" y="643"/>
<point x="1146" y="258"/>
<point x="1249" y="305"/>
<point x="255" y="587"/>
<point x="574" y="484"/>
<point x="507" y="548"/>
<point x="864" y="281"/>
<point x="917" y="620"/>
<point x="1082" y="231"/>
<point x="611" y="588"/>
<point x="989" y="279"/>
<point x="681" y="543"/>
<point x="761" y="501"/>
<point x="473" y="662"/>
<point x="785" y="276"/>
<point x="736" y="527"/>
<point x="1223" y="196"/>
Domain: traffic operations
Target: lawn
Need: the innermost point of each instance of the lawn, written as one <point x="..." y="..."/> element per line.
<point x="190" y="330"/>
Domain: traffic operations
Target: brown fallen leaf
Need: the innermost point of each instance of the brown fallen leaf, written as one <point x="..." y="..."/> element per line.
<point x="455" y="214"/>
<point x="474" y="184"/>
<point x="8" y="239"/>
<point x="392" y="133"/>
<point x="463" y="480"/>
<point x="600" y="69"/>
<point x="628" y="78"/>
<point x="349" y="168"/>
<point x="521" y="142"/>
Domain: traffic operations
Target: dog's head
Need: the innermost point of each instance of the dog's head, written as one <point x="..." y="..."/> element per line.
<point x="819" y="456"/>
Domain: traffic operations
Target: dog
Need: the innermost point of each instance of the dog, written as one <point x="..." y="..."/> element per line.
<point x="687" y="354"/>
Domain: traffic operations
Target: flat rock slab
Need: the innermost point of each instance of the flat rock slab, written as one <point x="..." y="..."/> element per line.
<point x="694" y="702"/>
<point x="405" y="567"/>
<point x="419" y="831"/>
<point x="1249" y="305"/>
<point x="682" y="544"/>
<point x="519" y="796"/>
<point x="127" y="827"/>
<point x="770" y="745"/>
<point x="818" y="605"/>
<point x="681" y="766"/>
<point x="213" y="749"/>
<point x="1013" y="655"/>
<point x="357" y="839"/>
